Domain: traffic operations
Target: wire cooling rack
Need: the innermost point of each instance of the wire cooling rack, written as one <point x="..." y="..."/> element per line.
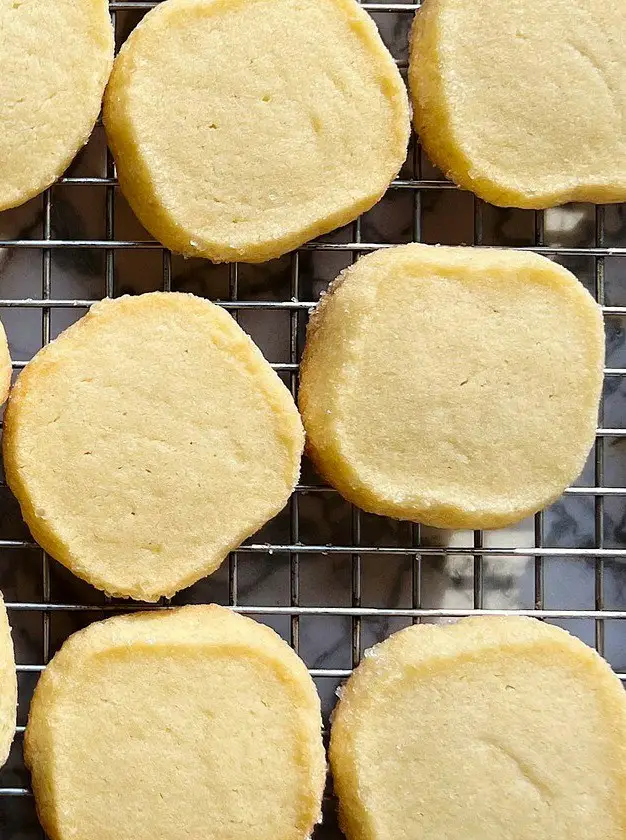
<point x="331" y="579"/>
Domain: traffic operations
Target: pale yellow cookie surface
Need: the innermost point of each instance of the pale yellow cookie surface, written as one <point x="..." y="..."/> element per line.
<point x="8" y="686"/>
<point x="490" y="728"/>
<point x="147" y="441"/>
<point x="55" y="59"/>
<point x="457" y="387"/>
<point x="284" y="120"/>
<point x="522" y="102"/>
<point x="5" y="366"/>
<point x="175" y="725"/>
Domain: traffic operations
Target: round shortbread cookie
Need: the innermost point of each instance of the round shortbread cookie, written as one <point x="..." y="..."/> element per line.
<point x="5" y="366"/>
<point x="149" y="440"/>
<point x="457" y="387"/>
<point x="8" y="686"/>
<point x="284" y="121"/>
<point x="178" y="724"/>
<point x="523" y="103"/>
<point x="55" y="60"/>
<point x="489" y="728"/>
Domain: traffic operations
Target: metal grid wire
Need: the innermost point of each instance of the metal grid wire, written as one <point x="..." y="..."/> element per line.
<point x="364" y="547"/>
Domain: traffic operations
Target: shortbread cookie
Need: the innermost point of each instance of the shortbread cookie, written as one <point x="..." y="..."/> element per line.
<point x="55" y="59"/>
<point x="457" y="387"/>
<point x="523" y="102"/>
<point x="8" y="686"/>
<point x="149" y="440"/>
<point x="490" y="728"/>
<point x="5" y="366"/>
<point x="178" y="724"/>
<point x="284" y="120"/>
